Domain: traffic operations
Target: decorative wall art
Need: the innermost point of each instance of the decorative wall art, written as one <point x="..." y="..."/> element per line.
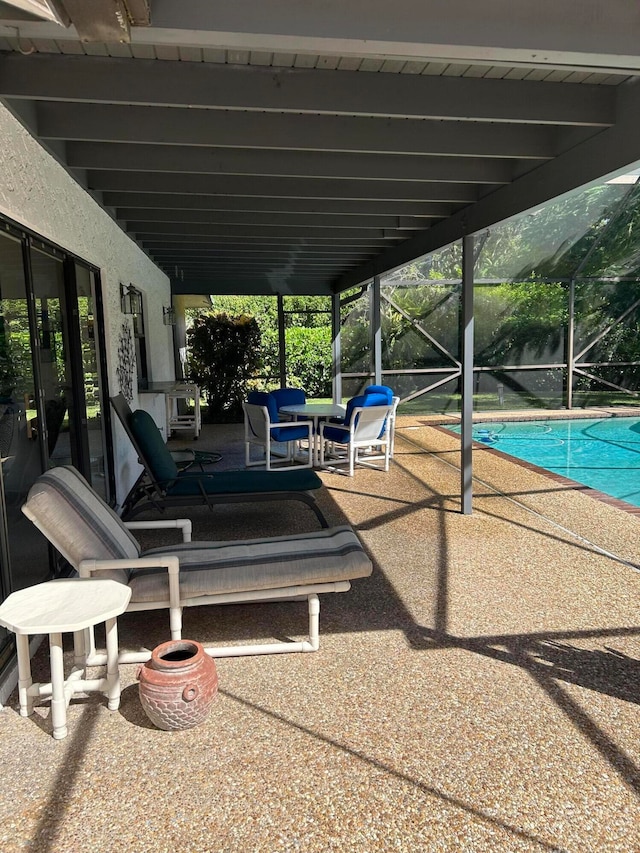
<point x="126" y="362"/>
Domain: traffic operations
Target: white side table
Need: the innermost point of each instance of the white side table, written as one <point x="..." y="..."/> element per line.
<point x="56" y="607"/>
<point x="176" y="421"/>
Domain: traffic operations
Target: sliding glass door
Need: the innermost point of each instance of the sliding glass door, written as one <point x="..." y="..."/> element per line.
<point x="52" y="339"/>
<point x="95" y="421"/>
<point x="52" y="393"/>
<point x="26" y="555"/>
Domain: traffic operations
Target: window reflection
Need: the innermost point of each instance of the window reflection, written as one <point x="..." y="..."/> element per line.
<point x="19" y="448"/>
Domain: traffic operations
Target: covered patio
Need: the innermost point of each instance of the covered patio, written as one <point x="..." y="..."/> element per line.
<point x="274" y="150"/>
<point x="478" y="692"/>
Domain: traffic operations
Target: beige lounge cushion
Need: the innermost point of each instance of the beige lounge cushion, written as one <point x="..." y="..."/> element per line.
<point x="209" y="568"/>
<point x="78" y="522"/>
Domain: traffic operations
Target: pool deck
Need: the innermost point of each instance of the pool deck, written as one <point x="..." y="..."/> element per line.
<point x="479" y="693"/>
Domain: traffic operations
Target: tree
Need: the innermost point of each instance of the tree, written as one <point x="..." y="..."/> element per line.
<point x="224" y="354"/>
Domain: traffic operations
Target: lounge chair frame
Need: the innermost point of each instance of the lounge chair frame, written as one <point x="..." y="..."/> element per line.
<point x="77" y="522"/>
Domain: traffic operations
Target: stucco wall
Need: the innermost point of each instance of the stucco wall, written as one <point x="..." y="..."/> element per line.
<point x="36" y="191"/>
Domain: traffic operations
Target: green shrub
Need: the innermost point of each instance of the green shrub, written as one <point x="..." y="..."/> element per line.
<point x="224" y="354"/>
<point x="308" y="360"/>
<point x="308" y="356"/>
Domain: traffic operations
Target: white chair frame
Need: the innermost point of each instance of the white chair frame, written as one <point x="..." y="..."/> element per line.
<point x="391" y="425"/>
<point x="391" y="429"/>
<point x="310" y="592"/>
<point x="85" y="647"/>
<point x="76" y="521"/>
<point x="257" y="431"/>
<point x="363" y="433"/>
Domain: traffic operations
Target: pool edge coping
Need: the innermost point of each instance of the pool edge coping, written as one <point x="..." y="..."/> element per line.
<point x="589" y="491"/>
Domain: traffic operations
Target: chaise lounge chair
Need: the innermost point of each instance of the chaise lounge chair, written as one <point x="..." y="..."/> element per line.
<point x="96" y="542"/>
<point x="163" y="485"/>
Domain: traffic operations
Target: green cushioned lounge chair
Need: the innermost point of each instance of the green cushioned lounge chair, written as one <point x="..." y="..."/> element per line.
<point x="164" y="485"/>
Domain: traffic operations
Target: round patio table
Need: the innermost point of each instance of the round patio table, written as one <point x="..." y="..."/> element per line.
<point x="314" y="411"/>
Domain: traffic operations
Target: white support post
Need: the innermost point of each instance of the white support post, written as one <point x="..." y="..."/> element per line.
<point x="58" y="697"/>
<point x="175" y="605"/>
<point x="24" y="675"/>
<point x="80" y="648"/>
<point x="113" y="675"/>
<point x="90" y="641"/>
<point x="314" y="623"/>
<point x="175" y="622"/>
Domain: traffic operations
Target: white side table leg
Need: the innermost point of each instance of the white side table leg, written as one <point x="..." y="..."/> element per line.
<point x="113" y="673"/>
<point x="196" y="412"/>
<point x="58" y="702"/>
<point x="24" y="675"/>
<point x="90" y="643"/>
<point x="169" y="410"/>
<point x="79" y="649"/>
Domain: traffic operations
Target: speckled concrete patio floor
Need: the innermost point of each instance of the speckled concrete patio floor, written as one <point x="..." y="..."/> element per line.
<point x="480" y="692"/>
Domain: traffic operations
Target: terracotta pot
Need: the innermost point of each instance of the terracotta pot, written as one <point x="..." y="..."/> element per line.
<point x="178" y="685"/>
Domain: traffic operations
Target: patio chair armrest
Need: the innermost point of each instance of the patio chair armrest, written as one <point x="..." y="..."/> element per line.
<point x="186" y="459"/>
<point x="184" y="524"/>
<point x="159" y="561"/>
<point x="346" y="429"/>
<point x="293" y="425"/>
<point x="169" y="562"/>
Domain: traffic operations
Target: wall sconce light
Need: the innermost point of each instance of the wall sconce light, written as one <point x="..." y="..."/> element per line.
<point x="130" y="300"/>
<point x="169" y="316"/>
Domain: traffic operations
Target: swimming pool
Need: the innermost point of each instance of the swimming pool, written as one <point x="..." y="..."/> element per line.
<point x="601" y="453"/>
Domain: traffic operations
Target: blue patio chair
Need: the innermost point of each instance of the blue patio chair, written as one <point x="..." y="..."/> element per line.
<point x="364" y="428"/>
<point x="393" y="400"/>
<point x="288" y="397"/>
<point x="380" y="389"/>
<point x="264" y="429"/>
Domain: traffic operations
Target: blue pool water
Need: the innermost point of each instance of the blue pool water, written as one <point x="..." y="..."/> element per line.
<point x="601" y="453"/>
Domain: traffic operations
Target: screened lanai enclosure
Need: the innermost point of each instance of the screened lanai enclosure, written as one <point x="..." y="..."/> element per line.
<point x="556" y="299"/>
